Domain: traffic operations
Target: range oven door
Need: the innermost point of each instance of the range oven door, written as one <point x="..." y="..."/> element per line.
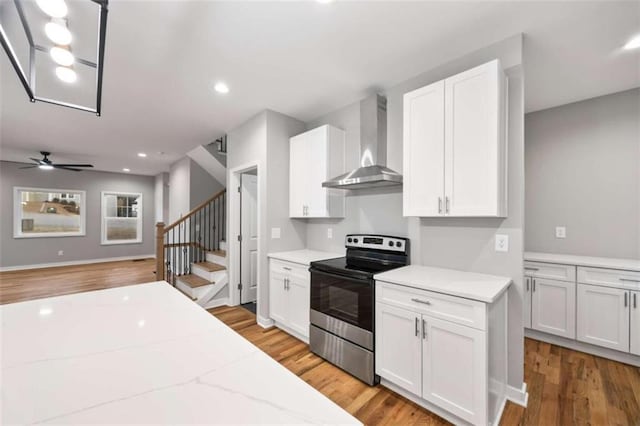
<point x="343" y="306"/>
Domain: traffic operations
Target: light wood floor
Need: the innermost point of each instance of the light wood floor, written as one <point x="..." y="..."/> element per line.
<point x="565" y="387"/>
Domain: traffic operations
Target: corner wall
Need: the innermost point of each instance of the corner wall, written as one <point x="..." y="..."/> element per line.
<point x="34" y="251"/>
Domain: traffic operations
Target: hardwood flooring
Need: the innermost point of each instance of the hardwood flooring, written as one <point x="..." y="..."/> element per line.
<point x="565" y="387"/>
<point x="16" y="286"/>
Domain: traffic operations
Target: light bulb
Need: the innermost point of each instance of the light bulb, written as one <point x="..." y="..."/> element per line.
<point x="53" y="8"/>
<point x="45" y="167"/>
<point x="66" y="74"/>
<point x="61" y="56"/>
<point x="634" y="43"/>
<point x="57" y="33"/>
<point x="221" y="87"/>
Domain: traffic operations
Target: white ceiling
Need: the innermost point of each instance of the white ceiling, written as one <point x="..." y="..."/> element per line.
<point x="303" y="59"/>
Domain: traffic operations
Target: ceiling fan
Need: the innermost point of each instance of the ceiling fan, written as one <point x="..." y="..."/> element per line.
<point x="46" y="164"/>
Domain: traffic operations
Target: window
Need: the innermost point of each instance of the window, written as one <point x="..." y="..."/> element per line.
<point x="39" y="212"/>
<point x="121" y="218"/>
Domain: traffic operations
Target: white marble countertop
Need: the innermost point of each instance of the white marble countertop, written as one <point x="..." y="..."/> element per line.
<point x="595" y="262"/>
<point x="304" y="256"/>
<point x="470" y="285"/>
<point x="143" y="354"/>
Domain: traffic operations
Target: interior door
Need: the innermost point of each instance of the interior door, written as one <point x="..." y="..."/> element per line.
<point x="603" y="316"/>
<point x="297" y="175"/>
<point x="423" y="156"/>
<point x="553" y="305"/>
<point x="249" y="243"/>
<point x="399" y="347"/>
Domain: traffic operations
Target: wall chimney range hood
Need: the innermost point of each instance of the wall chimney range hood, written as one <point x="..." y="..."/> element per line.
<point x="372" y="172"/>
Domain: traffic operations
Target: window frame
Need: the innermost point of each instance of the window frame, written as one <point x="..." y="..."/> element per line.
<point x="17" y="212"/>
<point x="104" y="218"/>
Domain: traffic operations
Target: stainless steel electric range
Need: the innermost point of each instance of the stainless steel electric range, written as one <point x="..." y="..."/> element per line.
<point x="342" y="327"/>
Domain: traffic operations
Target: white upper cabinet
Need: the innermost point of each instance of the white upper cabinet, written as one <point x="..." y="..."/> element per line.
<point x="315" y="157"/>
<point x="455" y="146"/>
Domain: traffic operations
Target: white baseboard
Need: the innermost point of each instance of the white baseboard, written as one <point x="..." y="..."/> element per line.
<point x="518" y="396"/>
<point x="75" y="262"/>
<point x="265" y="322"/>
<point x="214" y="303"/>
<point x="623" y="357"/>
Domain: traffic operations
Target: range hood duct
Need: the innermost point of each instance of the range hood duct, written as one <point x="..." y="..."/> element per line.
<point x="372" y="172"/>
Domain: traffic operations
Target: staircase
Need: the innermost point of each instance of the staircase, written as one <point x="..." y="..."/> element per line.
<point x="191" y="252"/>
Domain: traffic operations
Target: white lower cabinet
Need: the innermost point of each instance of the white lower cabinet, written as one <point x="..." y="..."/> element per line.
<point x="527" y="301"/>
<point x="553" y="307"/>
<point x="440" y="361"/>
<point x="634" y="303"/>
<point x="289" y="299"/>
<point x="603" y="316"/>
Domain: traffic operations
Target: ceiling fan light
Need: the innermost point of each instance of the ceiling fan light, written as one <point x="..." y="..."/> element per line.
<point x="61" y="56"/>
<point x="66" y="74"/>
<point x="45" y="167"/>
<point x="58" y="33"/>
<point x="53" y="8"/>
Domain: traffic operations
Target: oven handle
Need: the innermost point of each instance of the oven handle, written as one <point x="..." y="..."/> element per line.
<point x="331" y="274"/>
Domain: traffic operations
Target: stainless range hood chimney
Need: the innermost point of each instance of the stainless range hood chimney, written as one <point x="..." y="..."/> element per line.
<point x="372" y="172"/>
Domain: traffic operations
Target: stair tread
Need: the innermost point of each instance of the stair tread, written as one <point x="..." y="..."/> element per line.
<point x="193" y="281"/>
<point x="221" y="253"/>
<point x="210" y="266"/>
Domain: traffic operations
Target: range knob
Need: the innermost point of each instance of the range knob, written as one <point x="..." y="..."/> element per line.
<point x="355" y="240"/>
<point x="398" y="243"/>
<point x="390" y="243"/>
<point x="349" y="240"/>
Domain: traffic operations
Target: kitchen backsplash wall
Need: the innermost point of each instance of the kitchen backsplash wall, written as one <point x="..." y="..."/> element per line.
<point x="583" y="173"/>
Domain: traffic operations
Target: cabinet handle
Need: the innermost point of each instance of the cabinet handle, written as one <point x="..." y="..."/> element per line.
<point x="284" y="283"/>
<point x="424" y="329"/>
<point x="629" y="280"/>
<point x="625" y="299"/>
<point x="439" y="205"/>
<point x="534" y="285"/>
<point x="286" y="268"/>
<point x="635" y="300"/>
<point x="527" y="281"/>
<point x="424" y="302"/>
<point x="416" y="334"/>
<point x="529" y="268"/>
<point x="446" y="205"/>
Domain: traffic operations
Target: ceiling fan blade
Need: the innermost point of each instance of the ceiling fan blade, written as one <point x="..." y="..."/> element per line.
<point x="29" y="167"/>
<point x="73" y="165"/>
<point x="66" y="168"/>
<point x="36" y="160"/>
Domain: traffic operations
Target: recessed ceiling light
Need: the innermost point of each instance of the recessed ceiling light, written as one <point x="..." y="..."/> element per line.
<point x="45" y="167"/>
<point x="53" y="8"/>
<point x="58" y="33"/>
<point x="66" y="74"/>
<point x="324" y="1"/>
<point x="221" y="87"/>
<point x="142" y="154"/>
<point x="634" y="43"/>
<point x="61" y="56"/>
<point x="126" y="170"/>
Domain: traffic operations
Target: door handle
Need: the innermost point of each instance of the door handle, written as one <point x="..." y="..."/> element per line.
<point x="439" y="205"/>
<point x="625" y="299"/>
<point x="416" y="333"/>
<point x="424" y="329"/>
<point x="424" y="302"/>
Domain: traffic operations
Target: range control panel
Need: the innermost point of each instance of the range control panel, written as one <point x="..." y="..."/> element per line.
<point x="376" y="242"/>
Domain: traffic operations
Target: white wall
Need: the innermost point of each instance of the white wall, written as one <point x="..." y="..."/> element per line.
<point x="583" y="172"/>
<point x="161" y="198"/>
<point x="179" y="189"/>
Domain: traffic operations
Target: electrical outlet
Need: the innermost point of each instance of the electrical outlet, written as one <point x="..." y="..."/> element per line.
<point x="502" y="242"/>
<point x="275" y="233"/>
<point x="561" y="232"/>
<point x="329" y="232"/>
<point x="60" y="252"/>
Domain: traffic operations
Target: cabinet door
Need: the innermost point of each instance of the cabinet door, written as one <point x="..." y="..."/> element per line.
<point x="474" y="139"/>
<point x="527" y="302"/>
<point x="399" y="347"/>
<point x="423" y="151"/>
<point x="316" y="171"/>
<point x="278" y="296"/>
<point x="297" y="176"/>
<point x="298" y="301"/>
<point x="603" y="316"/>
<point x="455" y="369"/>
<point x="634" y="303"/>
<point x="553" y="305"/>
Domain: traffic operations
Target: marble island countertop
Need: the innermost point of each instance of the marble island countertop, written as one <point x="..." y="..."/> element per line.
<point x="470" y="285"/>
<point x="143" y="354"/>
<point x="304" y="256"/>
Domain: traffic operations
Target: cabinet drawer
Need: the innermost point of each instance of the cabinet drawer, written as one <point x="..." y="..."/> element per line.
<point x="628" y="280"/>
<point x="455" y="309"/>
<point x="550" y="271"/>
<point x="289" y="268"/>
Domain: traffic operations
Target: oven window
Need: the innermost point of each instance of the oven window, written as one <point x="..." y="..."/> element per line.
<point x="344" y="298"/>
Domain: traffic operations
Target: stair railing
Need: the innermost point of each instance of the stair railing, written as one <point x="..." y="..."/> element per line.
<point x="189" y="238"/>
